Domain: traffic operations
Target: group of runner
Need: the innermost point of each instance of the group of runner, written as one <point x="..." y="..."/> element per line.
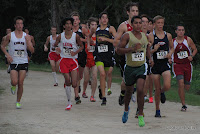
<point x="146" y="54"/>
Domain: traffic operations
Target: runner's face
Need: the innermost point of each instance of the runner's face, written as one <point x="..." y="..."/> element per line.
<point x="76" y="20"/>
<point x="53" y="30"/>
<point x="8" y="31"/>
<point x="145" y="23"/>
<point x="68" y="25"/>
<point x="19" y="25"/>
<point x="150" y="26"/>
<point x="137" y="24"/>
<point x="133" y="12"/>
<point x="93" y="24"/>
<point x="104" y="19"/>
<point x="180" y="31"/>
<point x="159" y="24"/>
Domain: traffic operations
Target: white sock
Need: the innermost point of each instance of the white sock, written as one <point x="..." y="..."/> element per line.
<point x="68" y="93"/>
<point x="54" y="76"/>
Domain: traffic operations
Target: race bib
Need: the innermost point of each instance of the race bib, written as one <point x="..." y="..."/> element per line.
<point x="67" y="51"/>
<point x="162" y="54"/>
<point x="182" y="54"/>
<point x="92" y="49"/>
<point x="139" y="56"/>
<point x="103" y="48"/>
<point x="19" y="53"/>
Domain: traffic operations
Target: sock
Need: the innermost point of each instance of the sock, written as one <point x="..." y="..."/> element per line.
<point x="68" y="93"/>
<point x="54" y="76"/>
<point x="123" y="92"/>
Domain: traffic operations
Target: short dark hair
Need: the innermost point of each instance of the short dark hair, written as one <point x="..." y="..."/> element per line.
<point x="144" y="16"/>
<point x="53" y="26"/>
<point x="92" y="19"/>
<point x="179" y="25"/>
<point x="75" y="13"/>
<point x="135" y="17"/>
<point x="66" y="19"/>
<point x="18" y="18"/>
<point x="102" y="13"/>
<point x="131" y="4"/>
<point x="151" y="20"/>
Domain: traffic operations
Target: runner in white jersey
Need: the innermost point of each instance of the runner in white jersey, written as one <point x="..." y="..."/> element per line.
<point x="18" y="42"/>
<point x="69" y="42"/>
<point x="53" y="56"/>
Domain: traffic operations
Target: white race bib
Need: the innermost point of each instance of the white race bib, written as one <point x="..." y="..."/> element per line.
<point x="92" y="49"/>
<point x="103" y="48"/>
<point x="67" y="51"/>
<point x="19" y="53"/>
<point x="162" y="54"/>
<point x="182" y="54"/>
<point x="139" y="56"/>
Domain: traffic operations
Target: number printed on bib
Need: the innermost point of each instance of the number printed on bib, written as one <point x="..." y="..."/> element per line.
<point x="92" y="49"/>
<point x="67" y="51"/>
<point x="162" y="54"/>
<point x="182" y="54"/>
<point x="103" y="48"/>
<point x="19" y="53"/>
<point x="139" y="56"/>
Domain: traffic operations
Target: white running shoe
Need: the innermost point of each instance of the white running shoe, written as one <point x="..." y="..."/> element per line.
<point x="68" y="107"/>
<point x="133" y="98"/>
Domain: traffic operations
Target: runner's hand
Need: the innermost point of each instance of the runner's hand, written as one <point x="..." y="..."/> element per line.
<point x="136" y="47"/>
<point x="151" y="63"/>
<point x="73" y="53"/>
<point x="170" y="61"/>
<point x="9" y="59"/>
<point x="58" y="51"/>
<point x="102" y="39"/>
<point x="190" y="58"/>
<point x="45" y="49"/>
<point x="156" y="46"/>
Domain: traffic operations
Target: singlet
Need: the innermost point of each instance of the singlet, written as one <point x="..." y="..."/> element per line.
<point x="18" y="49"/>
<point x="181" y="51"/>
<point x="129" y="27"/>
<point x="92" y="49"/>
<point x="103" y="50"/>
<point x="136" y="59"/>
<point x="79" y="32"/>
<point x="163" y="50"/>
<point x="52" y="42"/>
<point x="68" y="45"/>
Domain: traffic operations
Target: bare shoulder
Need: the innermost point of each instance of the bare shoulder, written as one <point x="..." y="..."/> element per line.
<point x="169" y="36"/>
<point x="122" y="27"/>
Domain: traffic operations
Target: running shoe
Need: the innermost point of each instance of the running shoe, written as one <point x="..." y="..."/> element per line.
<point x="151" y="100"/>
<point x="109" y="92"/>
<point x="68" y="107"/>
<point x="100" y="94"/>
<point x="84" y="95"/>
<point x="184" y="108"/>
<point x="77" y="99"/>
<point x="13" y="89"/>
<point x="103" y="101"/>
<point x="56" y="84"/>
<point x="121" y="99"/>
<point x="146" y="99"/>
<point x="137" y="113"/>
<point x="158" y="114"/>
<point x="133" y="98"/>
<point x="18" y="105"/>
<point x="141" y="121"/>
<point x="162" y="98"/>
<point x="92" y="99"/>
<point x="125" y="115"/>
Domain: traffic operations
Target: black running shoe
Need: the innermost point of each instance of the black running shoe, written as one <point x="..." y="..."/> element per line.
<point x="79" y="90"/>
<point x="78" y="100"/>
<point x="184" y="108"/>
<point x="103" y="101"/>
<point x="158" y="114"/>
<point x="121" y="99"/>
<point x="162" y="97"/>
<point x="100" y="94"/>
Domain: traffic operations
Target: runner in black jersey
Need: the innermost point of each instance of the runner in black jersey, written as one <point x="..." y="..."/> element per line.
<point x="82" y="32"/>
<point x="162" y="49"/>
<point x="104" y="50"/>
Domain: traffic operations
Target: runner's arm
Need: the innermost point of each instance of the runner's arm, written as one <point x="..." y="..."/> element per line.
<point x="193" y="47"/>
<point x="4" y="43"/>
<point x="29" y="43"/>
<point x="171" y="46"/>
<point x="120" y="32"/>
<point x="57" y="40"/>
<point x="122" y="44"/>
<point x="46" y="43"/>
<point x="80" y="43"/>
<point x="33" y="41"/>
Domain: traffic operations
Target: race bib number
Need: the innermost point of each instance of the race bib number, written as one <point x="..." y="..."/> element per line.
<point x="67" y="51"/>
<point x="139" y="56"/>
<point x="162" y="54"/>
<point x="182" y="54"/>
<point x="103" y="48"/>
<point x="92" y="49"/>
<point x="19" y="53"/>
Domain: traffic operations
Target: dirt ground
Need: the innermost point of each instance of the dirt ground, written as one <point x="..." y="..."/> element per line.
<point x="43" y="112"/>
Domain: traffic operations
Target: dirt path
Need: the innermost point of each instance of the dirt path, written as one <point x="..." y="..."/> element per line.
<point x="43" y="112"/>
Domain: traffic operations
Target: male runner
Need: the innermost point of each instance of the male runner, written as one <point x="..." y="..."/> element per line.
<point x="18" y="42"/>
<point x="134" y="45"/>
<point x="53" y="56"/>
<point x="184" y="51"/>
<point x="69" y="42"/>
<point x="162" y="49"/>
<point x="104" y="51"/>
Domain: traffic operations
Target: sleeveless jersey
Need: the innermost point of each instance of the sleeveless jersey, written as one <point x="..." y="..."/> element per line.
<point x="138" y="58"/>
<point x="68" y="45"/>
<point x="18" y="49"/>
<point x="52" y="42"/>
<point x="103" y="50"/>
<point x="79" y="32"/>
<point x="181" y="51"/>
<point x="160" y="54"/>
<point x="92" y="49"/>
<point x="129" y="27"/>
